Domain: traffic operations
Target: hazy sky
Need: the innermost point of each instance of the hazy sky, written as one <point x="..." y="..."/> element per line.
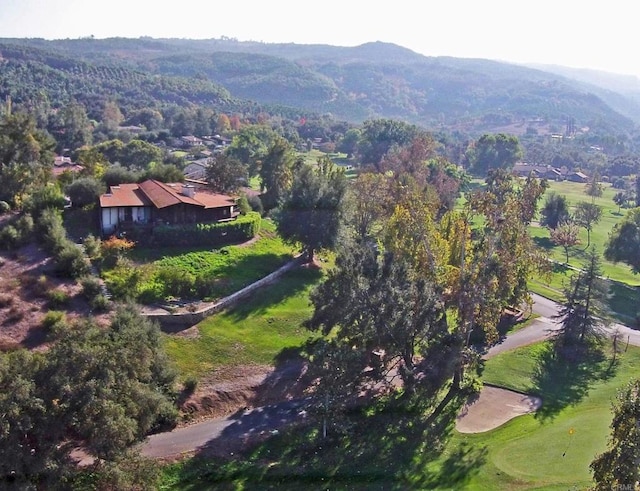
<point x="600" y="35"/>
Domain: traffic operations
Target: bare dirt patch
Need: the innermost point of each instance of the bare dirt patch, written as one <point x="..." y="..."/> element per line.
<point x="494" y="407"/>
<point x="25" y="280"/>
<point x="227" y="390"/>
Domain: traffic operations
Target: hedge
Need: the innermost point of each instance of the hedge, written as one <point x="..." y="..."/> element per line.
<point x="206" y="234"/>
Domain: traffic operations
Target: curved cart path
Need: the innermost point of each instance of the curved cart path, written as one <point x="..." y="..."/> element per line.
<point x="495" y="406"/>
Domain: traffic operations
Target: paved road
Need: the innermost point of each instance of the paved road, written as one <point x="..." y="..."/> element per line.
<point x="545" y="325"/>
<point x="244" y="424"/>
<point x="234" y="429"/>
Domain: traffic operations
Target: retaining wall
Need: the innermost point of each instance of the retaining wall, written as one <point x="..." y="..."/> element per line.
<point x="178" y="321"/>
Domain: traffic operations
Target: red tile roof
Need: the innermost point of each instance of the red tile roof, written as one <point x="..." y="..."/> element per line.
<point x="124" y="195"/>
<point x="160" y="195"/>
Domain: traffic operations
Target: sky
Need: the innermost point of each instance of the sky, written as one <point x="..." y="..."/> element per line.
<point x="573" y="33"/>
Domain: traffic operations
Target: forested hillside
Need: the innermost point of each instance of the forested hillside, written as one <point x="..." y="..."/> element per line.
<point x="352" y="84"/>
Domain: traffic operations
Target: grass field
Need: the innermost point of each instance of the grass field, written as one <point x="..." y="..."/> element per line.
<point x="574" y="193"/>
<point x="624" y="292"/>
<point x="233" y="267"/>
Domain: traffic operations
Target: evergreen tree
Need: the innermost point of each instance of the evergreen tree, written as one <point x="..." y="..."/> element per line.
<point x="383" y="317"/>
<point x="555" y="210"/>
<point x="583" y="313"/>
<point x="276" y="172"/>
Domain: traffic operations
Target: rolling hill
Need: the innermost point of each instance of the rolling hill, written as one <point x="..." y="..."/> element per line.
<point x="374" y="80"/>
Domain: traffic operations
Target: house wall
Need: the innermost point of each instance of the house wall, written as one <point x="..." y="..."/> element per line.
<point x="110" y="218"/>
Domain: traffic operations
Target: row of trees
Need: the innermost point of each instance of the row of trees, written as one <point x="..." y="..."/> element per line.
<point x="414" y="278"/>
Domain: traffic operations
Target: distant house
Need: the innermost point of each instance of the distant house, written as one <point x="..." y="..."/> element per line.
<point x="216" y="140"/>
<point x="152" y="202"/>
<point x="548" y="172"/>
<point x="191" y="141"/>
<point x="577" y="177"/>
<point x="63" y="164"/>
<point x="196" y="169"/>
<point x="136" y="130"/>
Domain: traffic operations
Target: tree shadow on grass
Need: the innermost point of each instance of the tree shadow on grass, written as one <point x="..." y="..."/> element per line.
<point x="288" y="285"/>
<point x="563" y="381"/>
<point x="388" y="448"/>
<point x="623" y="303"/>
<point x="544" y="242"/>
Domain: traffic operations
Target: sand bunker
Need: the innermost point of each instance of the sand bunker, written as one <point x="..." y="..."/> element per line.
<point x="494" y="407"/>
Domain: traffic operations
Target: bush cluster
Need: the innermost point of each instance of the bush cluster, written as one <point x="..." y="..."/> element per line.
<point x="68" y="258"/>
<point x="17" y="233"/>
<point x="206" y="234"/>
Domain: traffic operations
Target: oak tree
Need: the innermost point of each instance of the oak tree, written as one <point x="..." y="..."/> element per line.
<point x="311" y="211"/>
<point x="619" y="466"/>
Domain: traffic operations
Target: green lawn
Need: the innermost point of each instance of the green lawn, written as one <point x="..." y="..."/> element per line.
<point x="254" y="332"/>
<point x="233" y="267"/>
<point x="574" y="193"/>
<point x="625" y="286"/>
<point x="624" y="292"/>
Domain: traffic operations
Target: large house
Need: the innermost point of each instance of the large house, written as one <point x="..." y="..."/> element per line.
<point x="153" y="202"/>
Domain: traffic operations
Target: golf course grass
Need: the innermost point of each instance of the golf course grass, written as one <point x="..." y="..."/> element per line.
<point x="553" y="448"/>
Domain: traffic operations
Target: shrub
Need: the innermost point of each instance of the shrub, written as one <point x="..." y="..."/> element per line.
<point x="207" y="286"/>
<point x="4" y="207"/>
<point x="5" y="301"/>
<point x="45" y="197"/>
<point x="209" y="234"/>
<point x="57" y="298"/>
<point x="115" y="248"/>
<point x="124" y="280"/>
<point x="50" y="230"/>
<point x="91" y="287"/>
<point x="24" y="225"/>
<point x="100" y="303"/>
<point x="190" y="385"/>
<point x="256" y="204"/>
<point x="177" y="282"/>
<point x="9" y="238"/>
<point x="243" y="205"/>
<point x="40" y="285"/>
<point x="53" y="318"/>
<point x="92" y="247"/>
<point x="70" y="261"/>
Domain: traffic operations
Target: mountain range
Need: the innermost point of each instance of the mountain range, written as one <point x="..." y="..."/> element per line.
<point x="373" y="80"/>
